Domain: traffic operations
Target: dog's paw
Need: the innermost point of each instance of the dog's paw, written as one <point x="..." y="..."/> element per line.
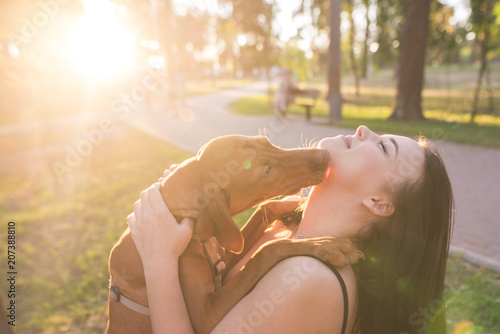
<point x="337" y="252"/>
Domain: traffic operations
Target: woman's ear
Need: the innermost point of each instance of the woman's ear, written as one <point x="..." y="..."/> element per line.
<point x="379" y="207"/>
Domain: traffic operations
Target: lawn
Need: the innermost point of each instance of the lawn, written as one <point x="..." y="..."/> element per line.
<point x="446" y="103"/>
<point x="473" y="298"/>
<point x="65" y="230"/>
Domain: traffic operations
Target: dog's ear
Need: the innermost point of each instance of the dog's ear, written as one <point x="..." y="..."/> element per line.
<point x="225" y="230"/>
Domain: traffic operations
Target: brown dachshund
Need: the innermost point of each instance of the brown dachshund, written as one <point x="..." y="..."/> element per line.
<point x="229" y="175"/>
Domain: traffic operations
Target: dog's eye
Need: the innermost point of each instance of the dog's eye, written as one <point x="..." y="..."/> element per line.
<point x="267" y="171"/>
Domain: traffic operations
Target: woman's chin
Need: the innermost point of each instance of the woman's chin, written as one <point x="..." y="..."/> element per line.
<point x="331" y="143"/>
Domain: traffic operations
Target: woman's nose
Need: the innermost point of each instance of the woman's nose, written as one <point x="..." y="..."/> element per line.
<point x="364" y="132"/>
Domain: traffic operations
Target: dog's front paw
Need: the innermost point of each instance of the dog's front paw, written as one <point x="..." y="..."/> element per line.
<point x="337" y="252"/>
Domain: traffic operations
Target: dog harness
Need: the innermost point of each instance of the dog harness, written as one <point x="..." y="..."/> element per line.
<point x="114" y="294"/>
<point x="214" y="258"/>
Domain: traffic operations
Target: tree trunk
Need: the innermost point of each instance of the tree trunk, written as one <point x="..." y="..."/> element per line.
<point x="491" y="92"/>
<point x="364" y="59"/>
<point x="334" y="58"/>
<point x="412" y="61"/>
<point x="270" y="95"/>
<point x="482" y="69"/>
<point x="352" y="35"/>
<point x="484" y="43"/>
<point x="473" y="48"/>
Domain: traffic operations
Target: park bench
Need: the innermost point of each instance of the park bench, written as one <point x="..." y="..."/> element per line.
<point x="306" y="98"/>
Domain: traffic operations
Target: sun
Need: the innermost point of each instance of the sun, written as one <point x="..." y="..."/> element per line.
<point x="99" y="46"/>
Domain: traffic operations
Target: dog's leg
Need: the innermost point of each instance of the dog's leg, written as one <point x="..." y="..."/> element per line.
<point x="337" y="252"/>
<point x="260" y="220"/>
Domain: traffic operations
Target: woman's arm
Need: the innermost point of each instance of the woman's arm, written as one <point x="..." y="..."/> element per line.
<point x="160" y="240"/>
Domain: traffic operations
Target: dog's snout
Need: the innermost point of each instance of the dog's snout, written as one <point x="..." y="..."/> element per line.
<point x="321" y="158"/>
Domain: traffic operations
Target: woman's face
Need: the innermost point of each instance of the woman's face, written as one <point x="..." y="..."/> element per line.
<point x="369" y="164"/>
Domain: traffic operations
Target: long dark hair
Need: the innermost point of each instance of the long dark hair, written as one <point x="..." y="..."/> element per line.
<point x="401" y="281"/>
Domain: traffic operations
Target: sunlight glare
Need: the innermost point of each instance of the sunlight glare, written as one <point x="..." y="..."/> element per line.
<point x="99" y="46"/>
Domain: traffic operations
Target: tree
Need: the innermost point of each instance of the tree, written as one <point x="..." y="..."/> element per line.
<point x="352" y="40"/>
<point x="442" y="40"/>
<point x="412" y="61"/>
<point x="389" y="18"/>
<point x="316" y="32"/>
<point x="364" y="58"/>
<point x="483" y="21"/>
<point x="227" y="34"/>
<point x="254" y="21"/>
<point x="334" y="61"/>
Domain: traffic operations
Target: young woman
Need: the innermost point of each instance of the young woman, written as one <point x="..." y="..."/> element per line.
<point x="389" y="194"/>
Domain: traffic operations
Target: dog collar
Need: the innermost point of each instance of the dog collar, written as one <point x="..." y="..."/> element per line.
<point x="114" y="294"/>
<point x="216" y="264"/>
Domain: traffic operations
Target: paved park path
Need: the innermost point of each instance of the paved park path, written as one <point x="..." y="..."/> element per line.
<point x="474" y="170"/>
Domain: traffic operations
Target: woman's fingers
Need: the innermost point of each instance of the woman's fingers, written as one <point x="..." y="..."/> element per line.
<point x="131" y="222"/>
<point x="188" y="225"/>
<point x="145" y="205"/>
<point x="138" y="210"/>
<point x="166" y="173"/>
<point x="156" y="200"/>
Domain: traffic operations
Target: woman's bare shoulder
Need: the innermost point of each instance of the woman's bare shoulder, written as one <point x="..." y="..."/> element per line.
<point x="300" y="294"/>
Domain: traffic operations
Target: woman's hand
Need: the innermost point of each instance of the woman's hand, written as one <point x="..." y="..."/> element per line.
<point x="156" y="234"/>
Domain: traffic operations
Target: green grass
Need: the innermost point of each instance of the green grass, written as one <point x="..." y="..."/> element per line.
<point x="473" y="298"/>
<point x="446" y="119"/>
<point x="66" y="230"/>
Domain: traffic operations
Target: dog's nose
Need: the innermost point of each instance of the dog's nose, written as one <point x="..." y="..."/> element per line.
<point x="321" y="159"/>
<point x="326" y="156"/>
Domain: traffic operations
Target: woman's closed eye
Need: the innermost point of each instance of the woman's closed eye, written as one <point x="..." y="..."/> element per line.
<point x="384" y="148"/>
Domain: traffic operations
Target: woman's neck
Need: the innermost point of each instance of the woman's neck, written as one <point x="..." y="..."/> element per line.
<point x="337" y="214"/>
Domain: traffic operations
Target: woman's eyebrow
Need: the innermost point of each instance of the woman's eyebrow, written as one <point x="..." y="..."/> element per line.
<point x="395" y="144"/>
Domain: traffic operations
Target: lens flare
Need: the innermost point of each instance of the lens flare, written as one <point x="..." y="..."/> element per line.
<point x="187" y="115"/>
<point x="98" y="46"/>
<point x="467" y="327"/>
